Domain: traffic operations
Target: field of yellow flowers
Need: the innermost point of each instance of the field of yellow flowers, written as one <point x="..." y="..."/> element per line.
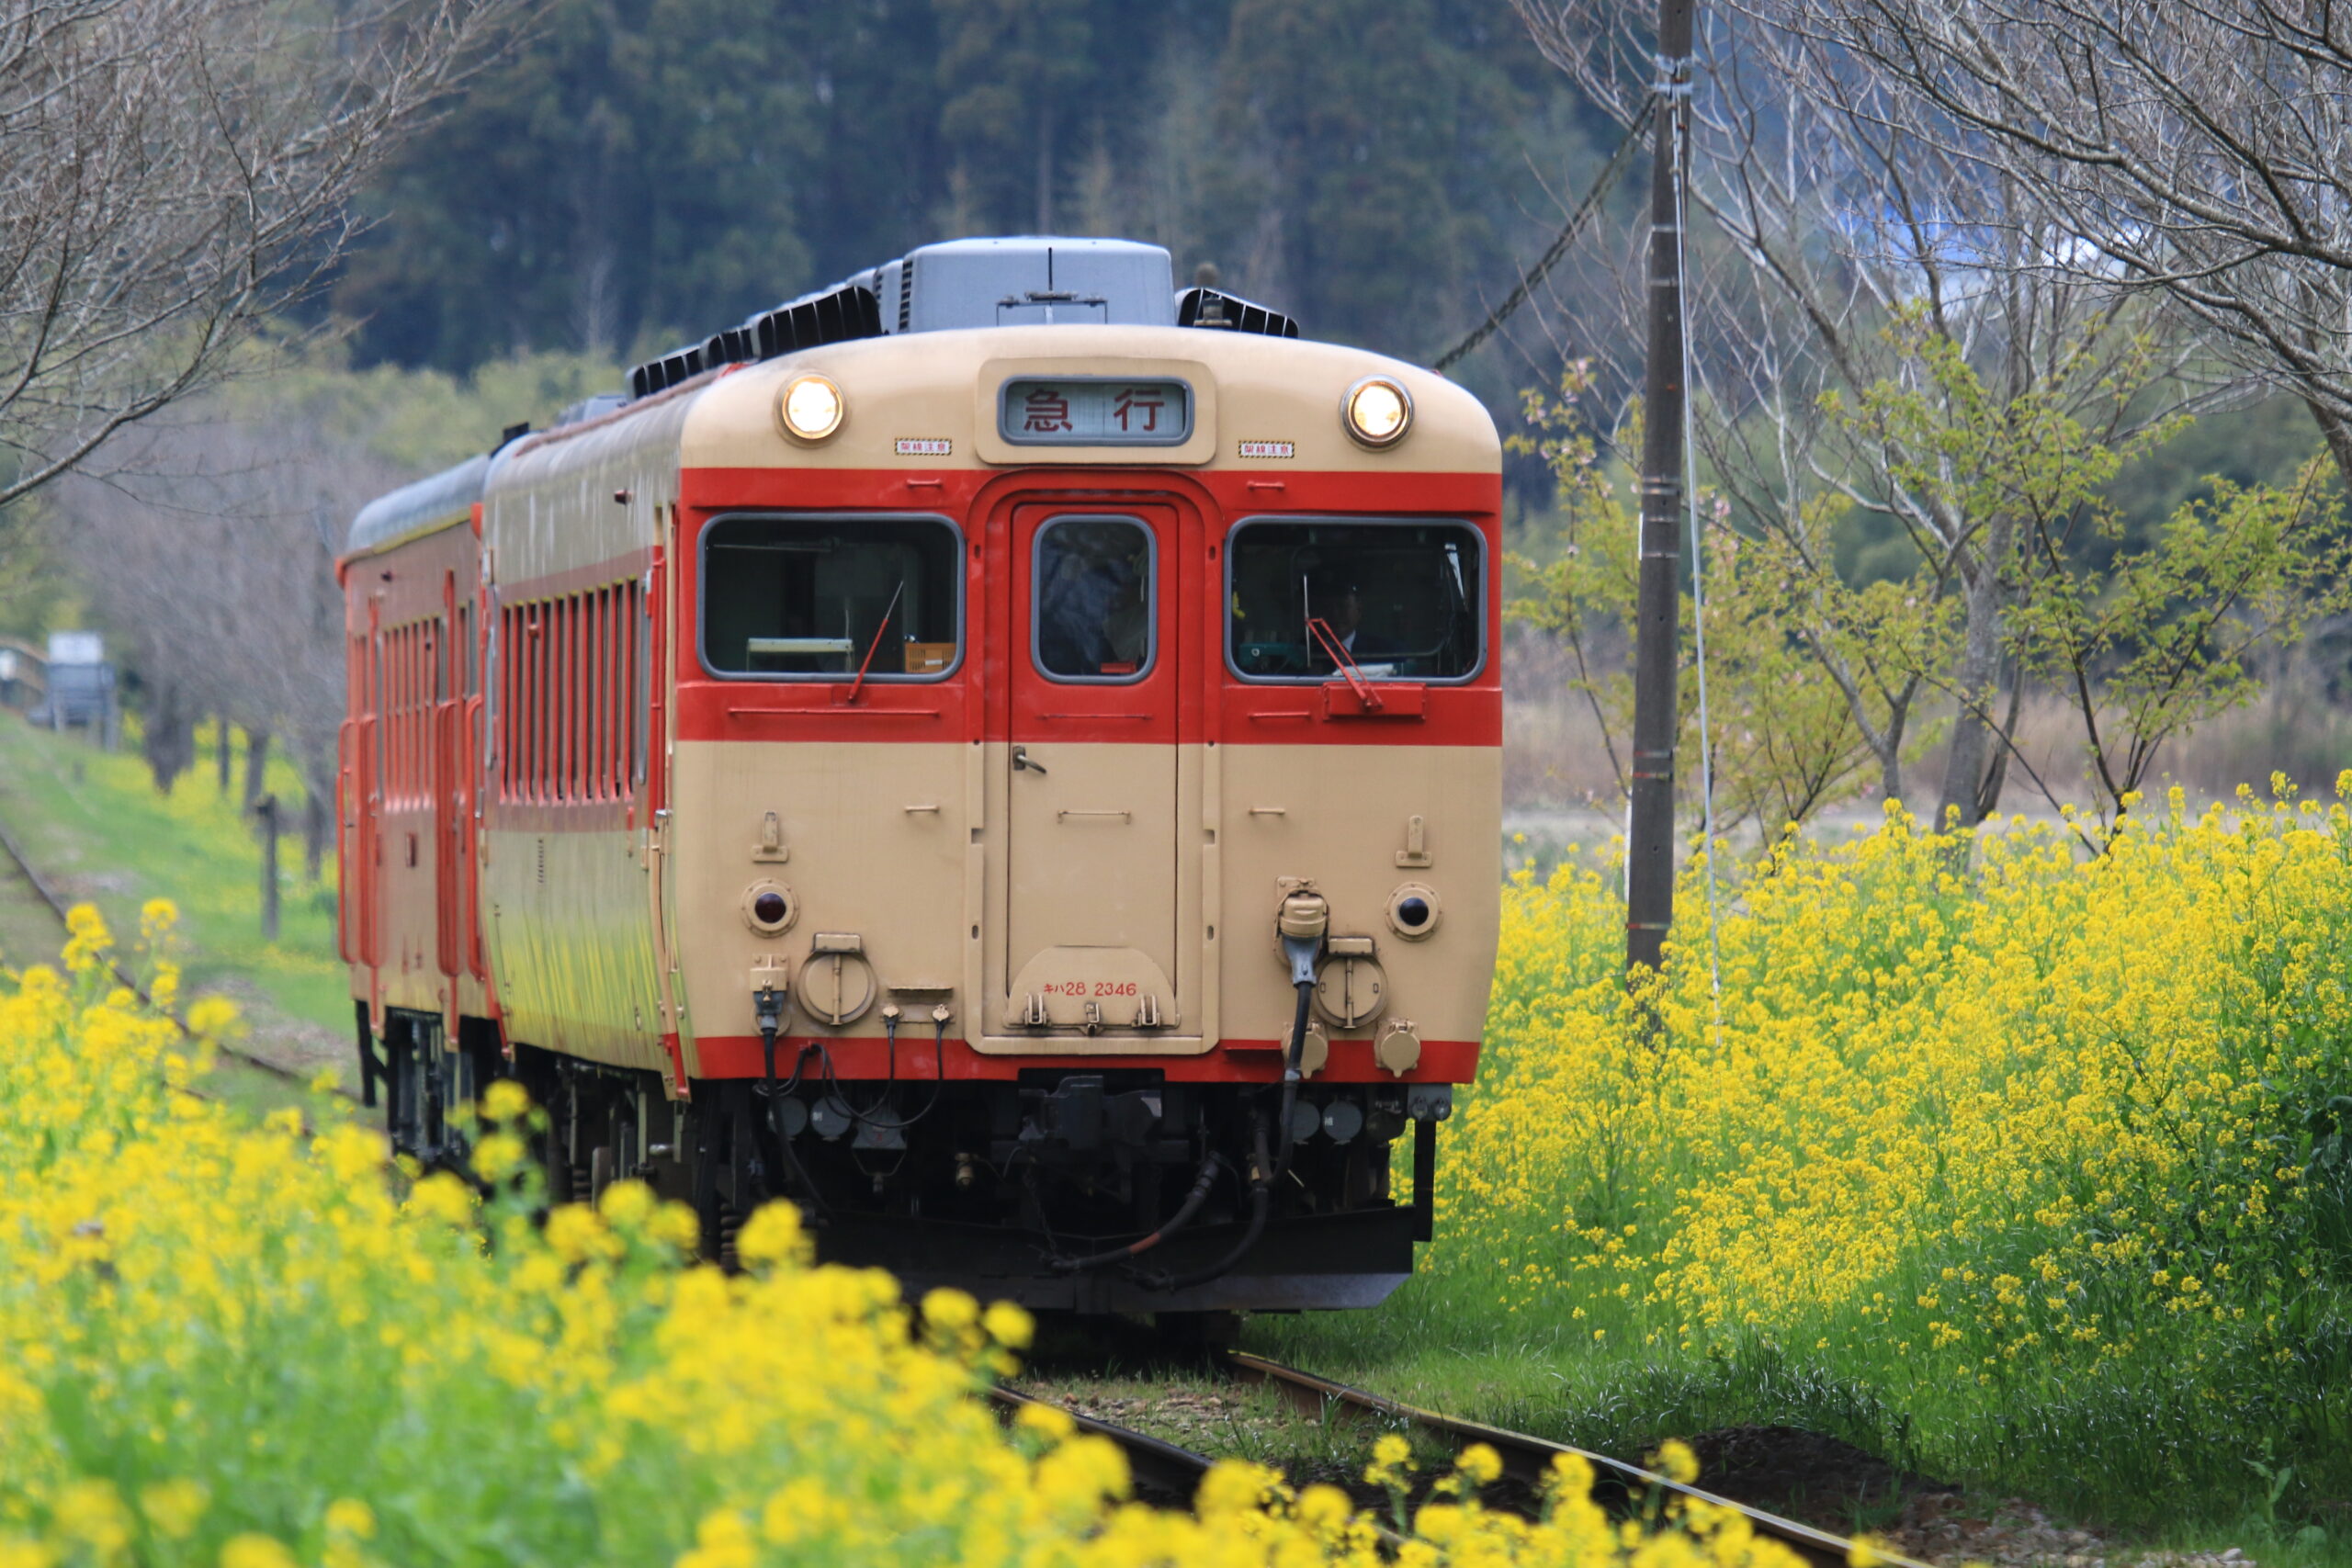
<point x="230" y="1344"/>
<point x="2031" y="1166"/>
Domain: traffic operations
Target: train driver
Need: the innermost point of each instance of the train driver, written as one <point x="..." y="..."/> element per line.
<point x="1337" y="600"/>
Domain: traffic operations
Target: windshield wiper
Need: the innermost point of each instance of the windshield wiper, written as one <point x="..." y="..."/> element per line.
<point x="875" y="646"/>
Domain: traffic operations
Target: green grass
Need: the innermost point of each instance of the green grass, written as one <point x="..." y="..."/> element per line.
<point x="94" y="826"/>
<point x="1433" y="1344"/>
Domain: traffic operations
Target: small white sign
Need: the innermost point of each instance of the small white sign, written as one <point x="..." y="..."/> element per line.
<point x="77" y="648"/>
<point x="926" y="446"/>
<point x="1269" y="448"/>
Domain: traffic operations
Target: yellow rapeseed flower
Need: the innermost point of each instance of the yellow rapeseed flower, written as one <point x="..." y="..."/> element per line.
<point x="254" y="1550"/>
<point x="349" y="1516"/>
<point x="505" y="1101"/>
<point x="173" y="1509"/>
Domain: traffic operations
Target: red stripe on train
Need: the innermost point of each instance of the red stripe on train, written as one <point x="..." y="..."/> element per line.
<point x="740" y="1057"/>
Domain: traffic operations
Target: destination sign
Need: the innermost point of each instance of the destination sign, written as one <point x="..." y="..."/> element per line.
<point x="1095" y="411"/>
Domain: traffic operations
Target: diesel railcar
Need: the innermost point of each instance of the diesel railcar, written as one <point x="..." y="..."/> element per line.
<point x="1002" y="752"/>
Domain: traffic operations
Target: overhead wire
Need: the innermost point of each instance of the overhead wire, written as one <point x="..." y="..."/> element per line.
<point x="1601" y="185"/>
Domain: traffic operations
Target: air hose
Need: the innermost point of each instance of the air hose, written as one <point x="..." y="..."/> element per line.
<point x="768" y="1007"/>
<point x="1262" y="1194"/>
<point x="1306" y="917"/>
<point x="1292" y="1061"/>
<point x="1176" y="1222"/>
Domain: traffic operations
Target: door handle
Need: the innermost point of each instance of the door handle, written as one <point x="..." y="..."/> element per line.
<point x="1020" y="759"/>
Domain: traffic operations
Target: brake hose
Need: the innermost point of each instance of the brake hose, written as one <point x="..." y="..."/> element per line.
<point x="1306" y="916"/>
<point x="1262" y="1189"/>
<point x="1292" y="1061"/>
<point x="1176" y="1222"/>
<point x="768" y="1007"/>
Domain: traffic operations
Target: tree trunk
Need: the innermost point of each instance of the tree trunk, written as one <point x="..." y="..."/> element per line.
<point x="2336" y="431"/>
<point x="1978" y="679"/>
<point x="265" y="812"/>
<point x="257" y="764"/>
<point x="169" y="741"/>
<point x="226" y="750"/>
<point x="317" y="822"/>
<point x="1988" y="793"/>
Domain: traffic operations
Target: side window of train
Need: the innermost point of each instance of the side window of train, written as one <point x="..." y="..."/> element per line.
<point x="1093" y="599"/>
<point x="821" y="598"/>
<point x="1395" y="601"/>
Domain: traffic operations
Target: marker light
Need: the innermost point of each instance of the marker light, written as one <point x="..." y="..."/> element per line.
<point x="1377" y="412"/>
<point x="810" y="407"/>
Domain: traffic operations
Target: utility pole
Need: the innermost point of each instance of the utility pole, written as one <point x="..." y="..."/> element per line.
<point x="1657" y="613"/>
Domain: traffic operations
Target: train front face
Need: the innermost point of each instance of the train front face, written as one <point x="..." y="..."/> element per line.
<point x="1005" y="740"/>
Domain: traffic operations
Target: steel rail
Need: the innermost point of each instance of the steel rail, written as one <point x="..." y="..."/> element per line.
<point x="1529" y="1459"/>
<point x="58" y="907"/>
<point x="1158" y="1466"/>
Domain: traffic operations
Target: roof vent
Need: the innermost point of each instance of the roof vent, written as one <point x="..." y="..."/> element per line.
<point x="659" y="375"/>
<point x="729" y="345"/>
<point x="834" y="315"/>
<point x="1206" y="306"/>
<point x="1027" y="280"/>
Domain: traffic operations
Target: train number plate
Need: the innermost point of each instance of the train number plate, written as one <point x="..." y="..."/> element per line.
<point x="1095" y="411"/>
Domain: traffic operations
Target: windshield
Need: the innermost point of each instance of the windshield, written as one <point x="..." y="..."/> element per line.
<point x="819" y="596"/>
<point x="1395" y="601"/>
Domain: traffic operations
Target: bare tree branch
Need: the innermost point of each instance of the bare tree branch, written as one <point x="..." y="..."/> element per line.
<point x="176" y="175"/>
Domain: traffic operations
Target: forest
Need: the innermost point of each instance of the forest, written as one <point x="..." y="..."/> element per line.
<point x="644" y="171"/>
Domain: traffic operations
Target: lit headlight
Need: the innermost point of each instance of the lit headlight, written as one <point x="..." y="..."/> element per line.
<point x="810" y="407"/>
<point x="1377" y="412"/>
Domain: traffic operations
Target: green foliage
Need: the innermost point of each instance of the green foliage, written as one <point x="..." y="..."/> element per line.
<point x="2264" y="443"/>
<point x="1016" y="77"/>
<point x="636" y="167"/>
<point x="1784" y="743"/>
<point x="646" y="171"/>
<point x="2142" y="639"/>
<point x="1963" y="544"/>
<point x="418" y="419"/>
<point x="2163" y="639"/>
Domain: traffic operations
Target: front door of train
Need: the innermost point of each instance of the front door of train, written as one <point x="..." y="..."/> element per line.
<point x="1094" y="894"/>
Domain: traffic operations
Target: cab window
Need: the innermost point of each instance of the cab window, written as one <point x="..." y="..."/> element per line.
<point x="822" y="597"/>
<point x="1393" y="600"/>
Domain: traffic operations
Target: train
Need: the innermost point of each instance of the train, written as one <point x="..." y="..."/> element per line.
<point x="1002" y="752"/>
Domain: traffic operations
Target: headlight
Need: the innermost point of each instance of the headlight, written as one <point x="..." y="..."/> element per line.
<point x="1377" y="412"/>
<point x="810" y="407"/>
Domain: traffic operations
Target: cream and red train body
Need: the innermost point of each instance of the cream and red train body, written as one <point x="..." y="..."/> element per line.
<point x="638" y="750"/>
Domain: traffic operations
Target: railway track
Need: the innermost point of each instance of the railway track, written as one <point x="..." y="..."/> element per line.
<point x="58" y="907"/>
<point x="1164" y="1474"/>
<point x="1169" y="1476"/>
